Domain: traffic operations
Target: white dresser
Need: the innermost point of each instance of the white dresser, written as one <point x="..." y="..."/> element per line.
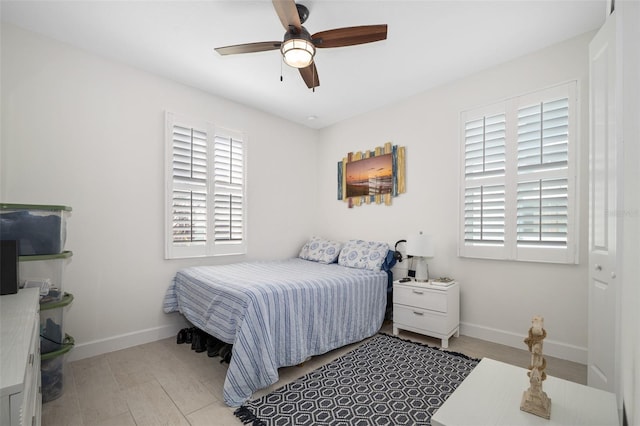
<point x="20" y="394"/>
<point x="428" y="309"/>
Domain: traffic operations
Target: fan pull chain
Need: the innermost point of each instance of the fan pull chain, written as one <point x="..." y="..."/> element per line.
<point x="313" y="89"/>
<point x="281" y="70"/>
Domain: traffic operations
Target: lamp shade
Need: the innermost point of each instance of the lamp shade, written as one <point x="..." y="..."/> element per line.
<point x="420" y="245"/>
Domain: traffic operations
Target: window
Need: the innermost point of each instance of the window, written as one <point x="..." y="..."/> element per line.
<point x="205" y="194"/>
<point x="518" y="173"/>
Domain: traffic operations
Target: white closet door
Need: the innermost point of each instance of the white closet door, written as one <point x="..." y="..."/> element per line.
<point x="605" y="199"/>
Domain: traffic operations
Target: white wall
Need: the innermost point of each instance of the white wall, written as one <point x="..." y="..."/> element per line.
<point x="86" y="132"/>
<point x="498" y="298"/>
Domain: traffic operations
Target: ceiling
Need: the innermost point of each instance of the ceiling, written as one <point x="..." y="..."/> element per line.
<point x="429" y="43"/>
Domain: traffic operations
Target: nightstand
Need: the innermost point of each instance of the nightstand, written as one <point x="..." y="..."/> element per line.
<point x="428" y="309"/>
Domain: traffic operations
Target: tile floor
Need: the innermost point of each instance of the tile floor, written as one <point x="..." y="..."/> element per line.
<point x="162" y="383"/>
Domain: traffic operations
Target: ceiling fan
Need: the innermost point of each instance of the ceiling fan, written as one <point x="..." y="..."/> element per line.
<point x="298" y="47"/>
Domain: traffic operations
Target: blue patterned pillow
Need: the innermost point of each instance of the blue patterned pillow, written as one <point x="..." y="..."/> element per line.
<point x="320" y="250"/>
<point x="363" y="254"/>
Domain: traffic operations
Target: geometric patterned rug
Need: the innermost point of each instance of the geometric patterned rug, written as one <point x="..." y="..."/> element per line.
<point x="385" y="381"/>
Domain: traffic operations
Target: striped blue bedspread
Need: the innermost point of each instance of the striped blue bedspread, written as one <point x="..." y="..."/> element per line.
<point x="277" y="313"/>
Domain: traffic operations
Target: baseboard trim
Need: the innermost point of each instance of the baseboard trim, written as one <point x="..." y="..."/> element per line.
<point x="551" y="347"/>
<point x="127" y="340"/>
<point x="123" y="341"/>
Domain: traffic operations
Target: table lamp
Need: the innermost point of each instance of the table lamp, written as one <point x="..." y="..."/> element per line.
<point x="420" y="246"/>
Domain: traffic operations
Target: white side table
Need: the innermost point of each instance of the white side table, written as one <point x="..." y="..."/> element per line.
<point x="492" y="393"/>
<point x="428" y="309"/>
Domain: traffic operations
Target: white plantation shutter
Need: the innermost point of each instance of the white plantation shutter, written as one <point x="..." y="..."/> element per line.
<point x="484" y="214"/>
<point x="518" y="197"/>
<point x="189" y="177"/>
<point x="543" y="136"/>
<point x="543" y="187"/>
<point x="189" y="155"/>
<point x="485" y="146"/>
<point x="205" y="189"/>
<point x="229" y="193"/>
<point x="189" y="216"/>
<point x="483" y="199"/>
<point x="543" y="213"/>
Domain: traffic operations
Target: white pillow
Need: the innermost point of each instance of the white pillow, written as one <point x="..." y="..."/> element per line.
<point x="363" y="254"/>
<point x="320" y="250"/>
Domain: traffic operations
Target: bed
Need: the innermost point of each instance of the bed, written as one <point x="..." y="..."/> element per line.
<point x="279" y="313"/>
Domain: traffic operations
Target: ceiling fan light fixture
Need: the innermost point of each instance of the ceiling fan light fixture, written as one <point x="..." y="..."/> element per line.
<point x="298" y="47"/>
<point x="298" y="50"/>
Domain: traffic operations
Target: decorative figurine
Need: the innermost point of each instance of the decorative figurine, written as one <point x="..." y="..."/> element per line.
<point x="534" y="400"/>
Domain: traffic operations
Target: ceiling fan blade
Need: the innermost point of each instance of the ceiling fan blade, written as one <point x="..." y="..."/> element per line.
<point x="310" y="76"/>
<point x="288" y="13"/>
<point x="350" y="36"/>
<point x="249" y="47"/>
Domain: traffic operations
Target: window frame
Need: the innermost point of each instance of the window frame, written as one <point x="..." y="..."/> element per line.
<point x="511" y="249"/>
<point x="211" y="247"/>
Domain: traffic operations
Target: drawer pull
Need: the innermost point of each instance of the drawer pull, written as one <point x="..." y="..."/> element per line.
<point x="418" y="313"/>
<point x="418" y="292"/>
<point x="30" y="359"/>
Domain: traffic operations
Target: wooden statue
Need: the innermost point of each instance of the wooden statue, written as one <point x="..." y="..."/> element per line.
<point x="534" y="400"/>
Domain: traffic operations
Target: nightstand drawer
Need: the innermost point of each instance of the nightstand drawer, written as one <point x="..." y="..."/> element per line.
<point x="423" y="298"/>
<point x="419" y="319"/>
